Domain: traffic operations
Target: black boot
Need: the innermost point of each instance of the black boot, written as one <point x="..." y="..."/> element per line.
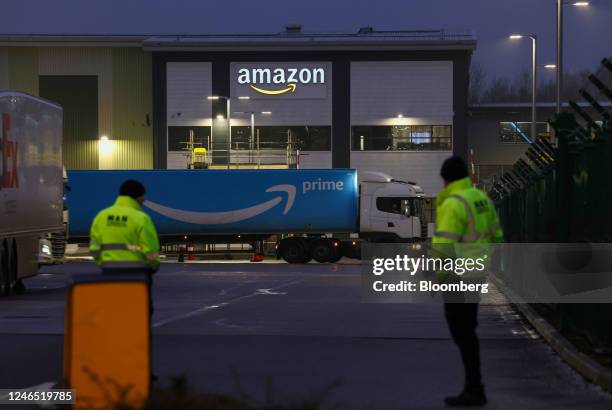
<point x="470" y="396"/>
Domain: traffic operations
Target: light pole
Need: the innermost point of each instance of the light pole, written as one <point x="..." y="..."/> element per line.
<point x="560" y="4"/>
<point x="252" y="139"/>
<point x="534" y="83"/>
<point x="220" y="117"/>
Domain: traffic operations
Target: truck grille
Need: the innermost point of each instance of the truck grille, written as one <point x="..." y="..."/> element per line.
<point x="58" y="245"/>
<point x="424" y="230"/>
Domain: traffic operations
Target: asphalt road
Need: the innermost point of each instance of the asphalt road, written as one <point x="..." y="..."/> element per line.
<point x="293" y="331"/>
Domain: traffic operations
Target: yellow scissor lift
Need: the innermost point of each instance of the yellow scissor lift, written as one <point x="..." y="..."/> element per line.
<point x="198" y="158"/>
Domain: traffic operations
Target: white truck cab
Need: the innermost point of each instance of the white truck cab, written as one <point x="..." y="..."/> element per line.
<point x="389" y="209"/>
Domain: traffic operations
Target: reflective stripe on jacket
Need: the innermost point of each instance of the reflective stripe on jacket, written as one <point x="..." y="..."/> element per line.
<point x="124" y="234"/>
<point x="465" y="214"/>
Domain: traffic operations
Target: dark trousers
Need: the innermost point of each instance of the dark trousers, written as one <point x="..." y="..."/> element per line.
<point x="462" y="319"/>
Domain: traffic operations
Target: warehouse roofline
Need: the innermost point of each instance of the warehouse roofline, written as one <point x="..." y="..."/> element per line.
<point x="538" y="105"/>
<point x="292" y="38"/>
<point x="71" y="40"/>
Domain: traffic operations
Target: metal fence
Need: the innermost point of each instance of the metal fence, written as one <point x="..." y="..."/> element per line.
<point x="562" y="194"/>
<point x="488" y="175"/>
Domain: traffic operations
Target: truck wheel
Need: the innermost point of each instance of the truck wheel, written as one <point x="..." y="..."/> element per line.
<point x="336" y="251"/>
<point x="294" y="251"/>
<point x="336" y="256"/>
<point x="322" y="250"/>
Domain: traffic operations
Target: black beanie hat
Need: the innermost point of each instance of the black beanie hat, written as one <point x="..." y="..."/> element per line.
<point x="453" y="169"/>
<point x="132" y="188"/>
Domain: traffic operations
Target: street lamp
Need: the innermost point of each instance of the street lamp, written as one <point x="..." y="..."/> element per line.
<point x="105" y="154"/>
<point x="534" y="41"/>
<point x="560" y="4"/>
<point x="229" y="119"/>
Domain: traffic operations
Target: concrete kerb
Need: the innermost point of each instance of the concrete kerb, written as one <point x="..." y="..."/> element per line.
<point x="583" y="364"/>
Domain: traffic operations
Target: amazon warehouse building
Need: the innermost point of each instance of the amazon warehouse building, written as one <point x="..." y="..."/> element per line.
<point x="394" y="102"/>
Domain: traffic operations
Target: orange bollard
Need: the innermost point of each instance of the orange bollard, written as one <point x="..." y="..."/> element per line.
<point x="107" y="342"/>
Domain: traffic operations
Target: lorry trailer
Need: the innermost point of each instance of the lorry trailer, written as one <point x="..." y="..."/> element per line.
<point x="316" y="213"/>
<point x="31" y="183"/>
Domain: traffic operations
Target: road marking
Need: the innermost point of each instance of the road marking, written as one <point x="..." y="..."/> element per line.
<point x="207" y="308"/>
<point x="224" y="291"/>
<point x="270" y="292"/>
<point x="223" y="322"/>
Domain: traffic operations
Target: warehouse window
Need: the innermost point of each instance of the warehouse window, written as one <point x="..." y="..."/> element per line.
<point x="179" y="138"/>
<point x="306" y="138"/>
<point x="402" y="138"/>
<point x="515" y="132"/>
<point x="241" y="137"/>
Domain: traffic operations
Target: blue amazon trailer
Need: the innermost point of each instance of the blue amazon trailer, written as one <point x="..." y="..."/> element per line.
<point x="213" y="204"/>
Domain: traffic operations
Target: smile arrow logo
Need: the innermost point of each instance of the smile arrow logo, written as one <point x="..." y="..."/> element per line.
<point x="227" y="217"/>
<point x="290" y="89"/>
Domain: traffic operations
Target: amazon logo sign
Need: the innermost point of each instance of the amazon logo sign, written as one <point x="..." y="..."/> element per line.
<point x="284" y="80"/>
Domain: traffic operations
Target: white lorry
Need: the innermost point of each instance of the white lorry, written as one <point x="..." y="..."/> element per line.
<point x="31" y="183"/>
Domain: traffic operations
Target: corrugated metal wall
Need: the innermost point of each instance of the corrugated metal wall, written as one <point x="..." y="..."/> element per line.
<point x="132" y="131"/>
<point x="4" y="69"/>
<point x="78" y="95"/>
<point x="97" y="61"/>
<point x="124" y="97"/>
<point x="23" y="69"/>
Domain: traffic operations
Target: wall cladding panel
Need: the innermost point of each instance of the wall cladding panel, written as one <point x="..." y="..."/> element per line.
<point x="315" y="159"/>
<point x="78" y="95"/>
<point x="422" y="91"/>
<point x="188" y="86"/>
<point x="420" y="167"/>
<point x="23" y="69"/>
<point x="4" y="68"/>
<point x="84" y="61"/>
<point x="79" y="61"/>
<point x="484" y="140"/>
<point x="132" y="109"/>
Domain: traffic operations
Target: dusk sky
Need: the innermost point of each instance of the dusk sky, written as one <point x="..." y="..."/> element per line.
<point x="588" y="31"/>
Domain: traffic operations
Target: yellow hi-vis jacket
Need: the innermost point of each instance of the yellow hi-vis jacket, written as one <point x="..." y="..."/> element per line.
<point x="123" y="236"/>
<point x="464" y="214"/>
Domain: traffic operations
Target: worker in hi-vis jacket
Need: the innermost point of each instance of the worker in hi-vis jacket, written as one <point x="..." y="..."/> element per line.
<point x="466" y="222"/>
